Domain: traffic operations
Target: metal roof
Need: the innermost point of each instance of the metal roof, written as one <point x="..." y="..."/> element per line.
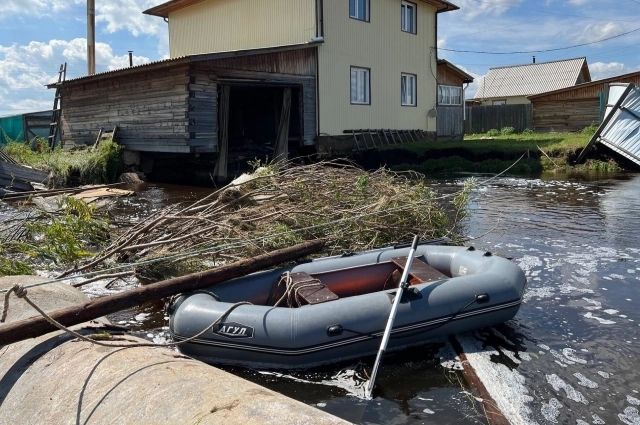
<point x="615" y="79"/>
<point x="165" y="8"/>
<point x="466" y="77"/>
<point x="620" y="130"/>
<point x="165" y="63"/>
<point x="531" y="79"/>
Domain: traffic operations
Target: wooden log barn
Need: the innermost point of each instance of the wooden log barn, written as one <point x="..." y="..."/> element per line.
<point x="261" y="101"/>
<point x="574" y="108"/>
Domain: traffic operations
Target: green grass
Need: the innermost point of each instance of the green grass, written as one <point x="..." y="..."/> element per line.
<point x="85" y="166"/>
<point x="485" y="154"/>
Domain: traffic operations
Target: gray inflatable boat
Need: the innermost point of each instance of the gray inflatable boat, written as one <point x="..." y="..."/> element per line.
<point x="335" y="308"/>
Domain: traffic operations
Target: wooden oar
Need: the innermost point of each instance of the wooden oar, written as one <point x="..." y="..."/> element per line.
<point x="394" y="309"/>
<point x="98" y="307"/>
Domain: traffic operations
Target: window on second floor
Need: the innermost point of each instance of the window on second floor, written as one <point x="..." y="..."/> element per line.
<point x="499" y="102"/>
<point x="359" y="9"/>
<point x="408" y="90"/>
<point x="409" y="16"/>
<point x="449" y="95"/>
<point x="360" y="86"/>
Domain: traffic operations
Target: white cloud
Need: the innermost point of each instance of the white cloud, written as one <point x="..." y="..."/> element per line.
<point x="598" y="31"/>
<point x="26" y="69"/>
<point x="600" y="70"/>
<point x="578" y="2"/>
<point x="471" y="9"/>
<point x="37" y="8"/>
<point x="127" y="15"/>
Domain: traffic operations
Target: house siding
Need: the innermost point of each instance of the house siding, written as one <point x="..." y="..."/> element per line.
<point x="387" y="51"/>
<point x="225" y="25"/>
<point x="518" y="100"/>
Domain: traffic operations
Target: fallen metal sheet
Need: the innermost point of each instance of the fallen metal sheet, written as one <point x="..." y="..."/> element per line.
<point x="620" y="130"/>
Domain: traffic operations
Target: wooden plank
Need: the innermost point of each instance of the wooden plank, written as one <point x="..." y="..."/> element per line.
<point x="38" y="325"/>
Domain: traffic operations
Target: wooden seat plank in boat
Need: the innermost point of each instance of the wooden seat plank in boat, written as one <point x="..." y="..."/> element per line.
<point x="420" y="271"/>
<point x="304" y="289"/>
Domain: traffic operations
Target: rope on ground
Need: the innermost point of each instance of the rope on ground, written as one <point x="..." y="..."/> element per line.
<point x="21" y="292"/>
<point x="266" y="237"/>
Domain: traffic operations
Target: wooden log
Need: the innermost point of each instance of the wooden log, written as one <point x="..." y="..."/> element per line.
<point x="37" y="326"/>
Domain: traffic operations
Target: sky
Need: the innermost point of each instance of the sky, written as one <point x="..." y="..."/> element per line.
<point x="37" y="36"/>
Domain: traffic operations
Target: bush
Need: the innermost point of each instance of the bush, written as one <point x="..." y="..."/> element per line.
<point x="507" y="131"/>
<point x="591" y="130"/>
<point x="527" y="131"/>
<point x="493" y="133"/>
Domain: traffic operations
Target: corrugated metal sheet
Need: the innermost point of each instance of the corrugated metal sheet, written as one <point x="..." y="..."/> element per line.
<point x="530" y="79"/>
<point x="381" y="46"/>
<point x="622" y="131"/>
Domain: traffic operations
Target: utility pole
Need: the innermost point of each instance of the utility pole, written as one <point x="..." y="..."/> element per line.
<point x="91" y="36"/>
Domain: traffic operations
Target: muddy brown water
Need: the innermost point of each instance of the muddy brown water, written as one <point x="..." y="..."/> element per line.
<point x="570" y="356"/>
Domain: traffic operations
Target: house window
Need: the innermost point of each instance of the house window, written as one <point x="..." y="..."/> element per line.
<point x="408" y="90"/>
<point x="449" y="95"/>
<point x="359" y="9"/>
<point x="360" y="86"/>
<point x="409" y="16"/>
<point x="499" y="102"/>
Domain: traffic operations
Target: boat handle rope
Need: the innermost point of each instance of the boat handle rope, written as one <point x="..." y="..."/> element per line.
<point x="21" y="292"/>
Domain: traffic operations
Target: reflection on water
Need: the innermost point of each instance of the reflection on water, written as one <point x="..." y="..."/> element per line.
<point x="570" y="356"/>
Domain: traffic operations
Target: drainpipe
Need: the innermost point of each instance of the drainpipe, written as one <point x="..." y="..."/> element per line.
<point x="130" y="58"/>
<point x="464" y="104"/>
<point x="91" y="37"/>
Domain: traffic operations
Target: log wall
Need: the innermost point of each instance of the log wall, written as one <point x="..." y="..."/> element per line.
<point x="563" y="116"/>
<point x="149" y="108"/>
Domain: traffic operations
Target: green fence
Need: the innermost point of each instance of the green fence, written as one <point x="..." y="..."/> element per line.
<point x="11" y="127"/>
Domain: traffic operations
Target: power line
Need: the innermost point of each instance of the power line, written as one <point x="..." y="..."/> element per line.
<point x="540" y="51"/>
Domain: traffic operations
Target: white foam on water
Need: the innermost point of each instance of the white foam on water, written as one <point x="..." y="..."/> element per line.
<point x="566" y="288"/>
<point x="509" y="354"/>
<point x="569" y="353"/>
<point x="584" y="381"/>
<point x="544" y="347"/>
<point x="616" y="276"/>
<point x="525" y="356"/>
<point x="448" y="358"/>
<point x="630" y="416"/>
<point x="528" y="262"/>
<point x="560" y="363"/>
<point x="429" y="411"/>
<point x="572" y="394"/>
<point x="506" y="386"/>
<point x="631" y="271"/>
<point x="603" y="374"/>
<point x="611" y="311"/>
<point x="321" y="404"/>
<point x="596" y="305"/>
<point x="599" y="319"/>
<point x="551" y="410"/>
<point x="583" y="280"/>
<point x="633" y="400"/>
<point x="539" y="293"/>
<point x="581" y="422"/>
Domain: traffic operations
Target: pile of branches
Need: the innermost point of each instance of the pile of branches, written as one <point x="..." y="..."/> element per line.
<point x="279" y="205"/>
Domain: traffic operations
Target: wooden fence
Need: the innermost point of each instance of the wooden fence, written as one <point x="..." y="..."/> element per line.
<point x="481" y="119"/>
<point x="450" y="123"/>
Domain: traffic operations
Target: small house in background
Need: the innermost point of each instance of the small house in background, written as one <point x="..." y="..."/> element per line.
<point x="574" y="108"/>
<point x="250" y="77"/>
<point x="452" y="82"/>
<point x="511" y="85"/>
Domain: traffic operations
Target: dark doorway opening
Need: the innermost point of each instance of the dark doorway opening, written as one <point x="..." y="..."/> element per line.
<point x="254" y="119"/>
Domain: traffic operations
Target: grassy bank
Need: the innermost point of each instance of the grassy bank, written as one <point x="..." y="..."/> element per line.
<point x="68" y="168"/>
<point x="496" y="152"/>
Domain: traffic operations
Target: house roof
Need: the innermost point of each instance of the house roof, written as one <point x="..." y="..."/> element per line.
<point x="165" y="63"/>
<point x="531" y="79"/>
<point x="164" y="9"/>
<point x="617" y="78"/>
<point x="466" y="78"/>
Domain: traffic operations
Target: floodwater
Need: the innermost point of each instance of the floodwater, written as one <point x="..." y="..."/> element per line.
<point x="570" y="356"/>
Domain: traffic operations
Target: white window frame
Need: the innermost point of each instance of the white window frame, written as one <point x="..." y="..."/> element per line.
<point x="360" y="85"/>
<point x="360" y="15"/>
<point x="409" y="23"/>
<point x="449" y="95"/>
<point x="408" y="89"/>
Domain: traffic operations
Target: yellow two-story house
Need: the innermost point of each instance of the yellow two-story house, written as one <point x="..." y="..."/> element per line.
<point x="373" y="61"/>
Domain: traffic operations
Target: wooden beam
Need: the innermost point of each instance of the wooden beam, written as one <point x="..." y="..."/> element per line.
<point x="98" y="307"/>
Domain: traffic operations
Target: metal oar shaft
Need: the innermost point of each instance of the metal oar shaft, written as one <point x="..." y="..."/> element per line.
<point x="392" y="316"/>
